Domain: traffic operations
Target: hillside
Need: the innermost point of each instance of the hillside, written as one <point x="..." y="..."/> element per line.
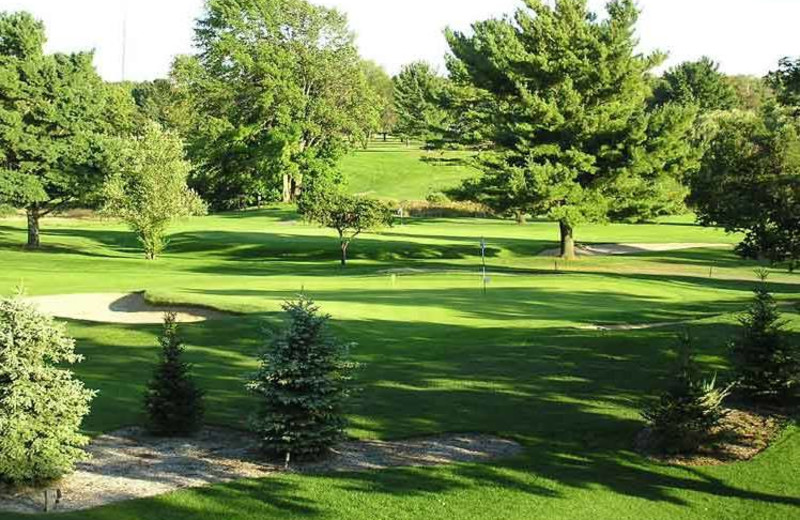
<point x="393" y="170"/>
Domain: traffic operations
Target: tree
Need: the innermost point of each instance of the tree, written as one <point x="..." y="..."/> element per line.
<point x="766" y="362"/>
<point x="52" y="107"/>
<point x="147" y="186"/>
<point x="686" y="415"/>
<point x="281" y="96"/>
<point x="786" y="83"/>
<point x="563" y="99"/>
<point x="382" y="86"/>
<point x="753" y="93"/>
<point x="347" y="214"/>
<point x="696" y="82"/>
<point x="173" y="402"/>
<point x="302" y="385"/>
<point x="42" y="405"/>
<point x="749" y="182"/>
<point x="416" y="91"/>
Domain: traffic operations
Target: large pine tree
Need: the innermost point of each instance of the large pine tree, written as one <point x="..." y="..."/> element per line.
<point x="562" y="96"/>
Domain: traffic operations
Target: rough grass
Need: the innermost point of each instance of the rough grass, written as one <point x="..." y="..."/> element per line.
<point x="439" y="357"/>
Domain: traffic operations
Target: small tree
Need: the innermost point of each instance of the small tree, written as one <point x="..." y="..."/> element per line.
<point x="302" y="385"/>
<point x="685" y="416"/>
<point x="173" y="402"/>
<point x="147" y="187"/>
<point x="766" y="362"/>
<point x="42" y="405"/>
<point x="348" y="215"/>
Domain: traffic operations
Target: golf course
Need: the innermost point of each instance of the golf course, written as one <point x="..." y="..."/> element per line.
<point x="523" y="361"/>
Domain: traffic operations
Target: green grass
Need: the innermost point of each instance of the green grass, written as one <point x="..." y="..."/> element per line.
<point x="439" y="357"/>
<point x="394" y="171"/>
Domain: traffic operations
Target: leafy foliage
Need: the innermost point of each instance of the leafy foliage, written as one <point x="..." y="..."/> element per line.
<point x="684" y="417"/>
<point x="750" y="182"/>
<point x="416" y="95"/>
<point x="302" y="385"/>
<point x="52" y="108"/>
<point x="173" y="402"/>
<point x="786" y="83"/>
<point x="382" y="87"/>
<point x="42" y="405"/>
<point x="349" y="215"/>
<point x="147" y="186"/>
<point x="697" y="82"/>
<point x="767" y="364"/>
<point x="563" y="100"/>
<point x="281" y="96"/>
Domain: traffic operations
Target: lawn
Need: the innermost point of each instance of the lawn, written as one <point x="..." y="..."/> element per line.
<point x="395" y="171"/>
<point x="439" y="356"/>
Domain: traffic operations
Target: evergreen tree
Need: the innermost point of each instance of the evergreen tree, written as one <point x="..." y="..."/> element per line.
<point x="698" y="83"/>
<point x="42" y="405"/>
<point x="173" y="403"/>
<point x="563" y="98"/>
<point x="684" y="417"/>
<point x="302" y="386"/>
<point x="52" y="110"/>
<point x="766" y="362"/>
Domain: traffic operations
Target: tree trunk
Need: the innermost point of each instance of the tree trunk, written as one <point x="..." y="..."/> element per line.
<point x="521" y="218"/>
<point x="287" y="189"/>
<point x="34" y="240"/>
<point x="344" y="253"/>
<point x="567" y="241"/>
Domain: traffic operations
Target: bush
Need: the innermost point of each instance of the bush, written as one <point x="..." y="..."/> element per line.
<point x="173" y="403"/>
<point x="766" y="363"/>
<point x="686" y="415"/>
<point x="302" y="385"/>
<point x="437" y="198"/>
<point x="42" y="405"/>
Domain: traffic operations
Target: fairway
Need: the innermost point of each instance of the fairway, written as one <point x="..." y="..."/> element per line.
<point x="439" y="356"/>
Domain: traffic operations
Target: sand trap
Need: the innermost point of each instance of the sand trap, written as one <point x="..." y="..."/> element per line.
<point x="127" y="464"/>
<point x="630" y="249"/>
<point x="125" y="308"/>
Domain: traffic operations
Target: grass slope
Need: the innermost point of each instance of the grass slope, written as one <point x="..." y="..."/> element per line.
<point x="439" y="356"/>
<point x="393" y="171"/>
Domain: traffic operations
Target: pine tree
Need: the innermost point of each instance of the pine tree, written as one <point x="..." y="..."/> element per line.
<point x="563" y="96"/>
<point x="173" y="402"/>
<point x="42" y="405"/>
<point x="766" y="362"/>
<point x="302" y="385"/>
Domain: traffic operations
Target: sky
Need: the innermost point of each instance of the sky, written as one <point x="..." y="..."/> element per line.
<point x="744" y="36"/>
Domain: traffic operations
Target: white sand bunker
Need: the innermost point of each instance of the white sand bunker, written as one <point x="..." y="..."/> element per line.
<point x="630" y="249"/>
<point x="128" y="464"/>
<point x="125" y="308"/>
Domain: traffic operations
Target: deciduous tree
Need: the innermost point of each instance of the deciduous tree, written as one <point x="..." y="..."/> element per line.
<point x="147" y="186"/>
<point x="281" y="96"/>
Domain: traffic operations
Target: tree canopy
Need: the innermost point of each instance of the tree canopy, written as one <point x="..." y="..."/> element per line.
<point x="563" y="99"/>
<point x="52" y="110"/>
<point x="416" y="90"/>
<point x="696" y="82"/>
<point x="281" y="92"/>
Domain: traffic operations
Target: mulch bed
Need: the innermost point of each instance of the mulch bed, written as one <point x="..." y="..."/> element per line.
<point x="129" y="464"/>
<point x="743" y="434"/>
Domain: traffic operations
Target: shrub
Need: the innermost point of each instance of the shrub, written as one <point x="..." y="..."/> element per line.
<point x="173" y="403"/>
<point x="302" y="385"/>
<point x="766" y="363"/>
<point x="437" y="198"/>
<point x="42" y="405"/>
<point x="685" y="416"/>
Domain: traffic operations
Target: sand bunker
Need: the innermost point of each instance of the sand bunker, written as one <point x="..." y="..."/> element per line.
<point x="128" y="464"/>
<point x="630" y="249"/>
<point x="130" y="308"/>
